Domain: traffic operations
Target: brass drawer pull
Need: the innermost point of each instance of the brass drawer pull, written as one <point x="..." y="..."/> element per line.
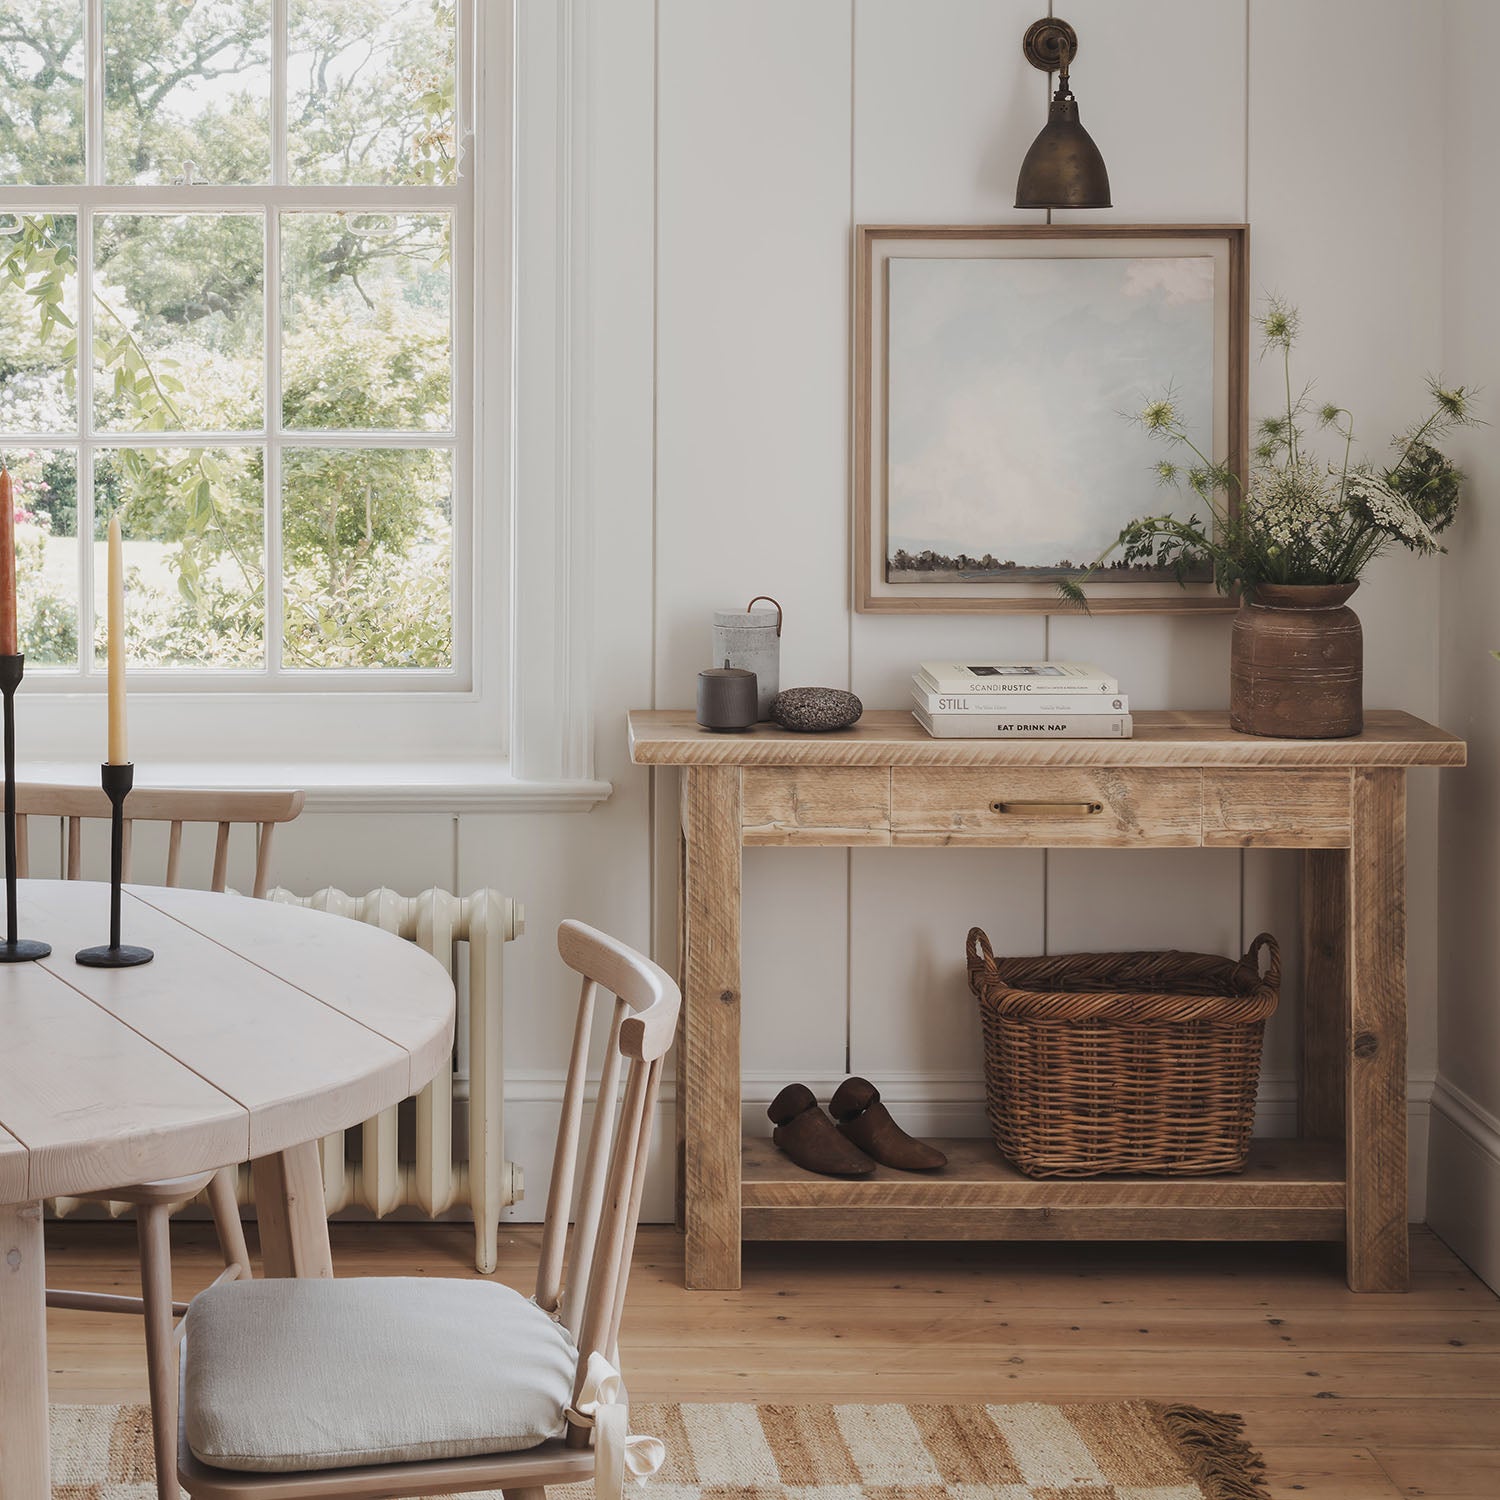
<point x="1049" y="809"/>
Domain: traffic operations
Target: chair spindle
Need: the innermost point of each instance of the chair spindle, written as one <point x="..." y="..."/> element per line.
<point x="221" y="859"/>
<point x="560" y="1192"/>
<point x="174" y="852"/>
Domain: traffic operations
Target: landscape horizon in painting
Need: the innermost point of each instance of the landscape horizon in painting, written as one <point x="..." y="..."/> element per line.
<point x="1011" y="454"/>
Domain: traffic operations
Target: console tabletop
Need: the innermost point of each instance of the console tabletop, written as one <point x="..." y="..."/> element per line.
<point x="1163" y="737"/>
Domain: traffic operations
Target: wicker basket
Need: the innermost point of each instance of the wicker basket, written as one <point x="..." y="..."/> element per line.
<point x="1123" y="1062"/>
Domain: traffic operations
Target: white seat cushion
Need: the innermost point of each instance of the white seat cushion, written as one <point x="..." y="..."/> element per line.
<point x="285" y="1375"/>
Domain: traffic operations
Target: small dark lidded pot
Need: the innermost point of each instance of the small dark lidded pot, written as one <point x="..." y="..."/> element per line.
<point x="815" y="710"/>
<point x="727" y="699"/>
<point x="1296" y="663"/>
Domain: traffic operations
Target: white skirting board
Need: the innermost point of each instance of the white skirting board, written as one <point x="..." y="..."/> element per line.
<point x="1463" y="1200"/>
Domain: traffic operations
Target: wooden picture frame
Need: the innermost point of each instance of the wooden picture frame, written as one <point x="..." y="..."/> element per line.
<point x="1219" y="343"/>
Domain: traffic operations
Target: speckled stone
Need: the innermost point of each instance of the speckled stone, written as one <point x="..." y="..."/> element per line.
<point x="816" y="710"/>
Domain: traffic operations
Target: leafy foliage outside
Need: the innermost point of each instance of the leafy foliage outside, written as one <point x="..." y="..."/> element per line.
<point x="177" y="304"/>
<point x="1302" y="519"/>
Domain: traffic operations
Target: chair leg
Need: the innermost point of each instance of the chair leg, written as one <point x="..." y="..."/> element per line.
<point x="226" y="1209"/>
<point x="153" y="1228"/>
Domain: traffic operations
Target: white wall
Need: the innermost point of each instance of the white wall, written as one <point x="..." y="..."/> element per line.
<point x="1465" y="1168"/>
<point x="730" y="147"/>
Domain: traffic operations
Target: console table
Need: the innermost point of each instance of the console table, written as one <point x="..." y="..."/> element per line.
<point x="1186" y="779"/>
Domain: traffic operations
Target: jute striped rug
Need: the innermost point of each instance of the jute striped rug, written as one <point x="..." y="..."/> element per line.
<point x="1131" y="1450"/>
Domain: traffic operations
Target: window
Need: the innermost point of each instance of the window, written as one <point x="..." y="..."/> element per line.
<point x="236" y="250"/>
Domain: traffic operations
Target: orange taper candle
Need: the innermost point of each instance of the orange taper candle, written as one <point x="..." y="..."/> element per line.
<point x="8" y="636"/>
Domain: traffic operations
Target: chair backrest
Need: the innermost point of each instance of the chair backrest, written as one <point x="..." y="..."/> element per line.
<point x="71" y="805"/>
<point x="588" y="1293"/>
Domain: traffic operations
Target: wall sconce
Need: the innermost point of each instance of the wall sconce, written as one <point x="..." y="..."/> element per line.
<point x="1063" y="169"/>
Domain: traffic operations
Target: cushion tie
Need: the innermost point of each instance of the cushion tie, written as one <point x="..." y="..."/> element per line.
<point x="601" y="1405"/>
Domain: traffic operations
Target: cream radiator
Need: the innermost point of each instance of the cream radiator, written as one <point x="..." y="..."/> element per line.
<point x="365" y="1167"/>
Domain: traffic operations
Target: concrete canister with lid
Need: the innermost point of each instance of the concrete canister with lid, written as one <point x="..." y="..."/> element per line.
<point x="751" y="638"/>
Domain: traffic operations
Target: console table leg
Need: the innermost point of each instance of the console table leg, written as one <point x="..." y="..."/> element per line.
<point x="1375" y="1106"/>
<point x="1325" y="992"/>
<point x="708" y="1077"/>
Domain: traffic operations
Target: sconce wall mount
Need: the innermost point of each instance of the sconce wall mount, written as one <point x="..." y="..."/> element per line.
<point x="1063" y="168"/>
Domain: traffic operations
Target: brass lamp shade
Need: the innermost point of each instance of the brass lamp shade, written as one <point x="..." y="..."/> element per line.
<point x="1063" y="169"/>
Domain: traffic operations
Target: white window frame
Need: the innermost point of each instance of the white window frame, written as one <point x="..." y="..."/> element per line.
<point x="276" y="718"/>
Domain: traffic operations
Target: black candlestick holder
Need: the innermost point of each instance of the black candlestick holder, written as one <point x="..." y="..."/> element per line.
<point x="13" y="950"/>
<point x="117" y="782"/>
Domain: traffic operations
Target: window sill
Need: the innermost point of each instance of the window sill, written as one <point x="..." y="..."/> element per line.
<point x="362" y="787"/>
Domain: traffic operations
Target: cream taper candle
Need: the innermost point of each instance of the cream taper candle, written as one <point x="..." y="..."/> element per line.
<point x="8" y="635"/>
<point x="115" y="619"/>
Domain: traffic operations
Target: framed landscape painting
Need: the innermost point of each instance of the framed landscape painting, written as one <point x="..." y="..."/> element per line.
<point x="996" y="374"/>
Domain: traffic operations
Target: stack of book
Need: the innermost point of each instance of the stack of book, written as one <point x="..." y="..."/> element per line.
<point x="1020" y="700"/>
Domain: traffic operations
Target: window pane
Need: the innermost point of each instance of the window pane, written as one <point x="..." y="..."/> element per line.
<point x="371" y="91"/>
<point x="179" y="322"/>
<point x="194" y="574"/>
<point x="38" y="322"/>
<point x="367" y="542"/>
<point x="41" y="91"/>
<point x="187" y="82"/>
<point x="365" y="321"/>
<point x="46" y="494"/>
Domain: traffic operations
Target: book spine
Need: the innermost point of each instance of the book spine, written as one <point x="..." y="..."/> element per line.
<point x="1057" y="703"/>
<point x="1028" y="726"/>
<point x="1018" y="687"/>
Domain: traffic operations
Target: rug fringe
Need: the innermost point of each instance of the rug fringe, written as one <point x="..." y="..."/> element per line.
<point x="1224" y="1465"/>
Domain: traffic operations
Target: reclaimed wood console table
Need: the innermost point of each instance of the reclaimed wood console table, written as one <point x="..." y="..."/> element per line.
<point x="1185" y="780"/>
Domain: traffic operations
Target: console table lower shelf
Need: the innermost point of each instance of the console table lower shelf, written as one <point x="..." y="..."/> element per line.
<point x="1291" y="1190"/>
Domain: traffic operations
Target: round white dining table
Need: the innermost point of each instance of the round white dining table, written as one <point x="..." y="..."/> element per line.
<point x="257" y="1029"/>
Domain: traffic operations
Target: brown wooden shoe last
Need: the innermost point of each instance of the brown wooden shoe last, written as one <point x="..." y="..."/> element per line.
<point x="808" y="1136"/>
<point x="865" y="1121"/>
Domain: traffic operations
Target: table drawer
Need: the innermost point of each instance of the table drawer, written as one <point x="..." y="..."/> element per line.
<point x="816" y="805"/>
<point x="1038" y="805"/>
<point x="1292" y="808"/>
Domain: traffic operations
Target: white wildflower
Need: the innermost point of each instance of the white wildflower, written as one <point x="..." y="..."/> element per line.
<point x="1293" y="503"/>
<point x="1390" y="512"/>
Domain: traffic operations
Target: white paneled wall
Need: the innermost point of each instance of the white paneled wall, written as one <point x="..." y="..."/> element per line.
<point x="730" y="146"/>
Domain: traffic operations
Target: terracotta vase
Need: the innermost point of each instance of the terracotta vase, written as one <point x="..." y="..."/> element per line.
<point x="1296" y="663"/>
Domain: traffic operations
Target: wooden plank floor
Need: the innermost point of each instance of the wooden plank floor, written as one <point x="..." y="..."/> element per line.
<point x="1349" y="1398"/>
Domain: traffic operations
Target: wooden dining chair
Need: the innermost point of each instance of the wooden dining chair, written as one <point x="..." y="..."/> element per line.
<point x="65" y="810"/>
<point x="386" y="1387"/>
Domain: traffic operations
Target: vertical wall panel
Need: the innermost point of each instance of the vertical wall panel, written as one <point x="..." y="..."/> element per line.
<point x="1161" y="88"/>
<point x="752" y="411"/>
<point x="752" y="275"/>
<point x="1332" y="149"/>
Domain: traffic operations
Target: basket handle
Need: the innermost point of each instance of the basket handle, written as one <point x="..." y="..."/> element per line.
<point x="981" y="955"/>
<point x="1272" y="975"/>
